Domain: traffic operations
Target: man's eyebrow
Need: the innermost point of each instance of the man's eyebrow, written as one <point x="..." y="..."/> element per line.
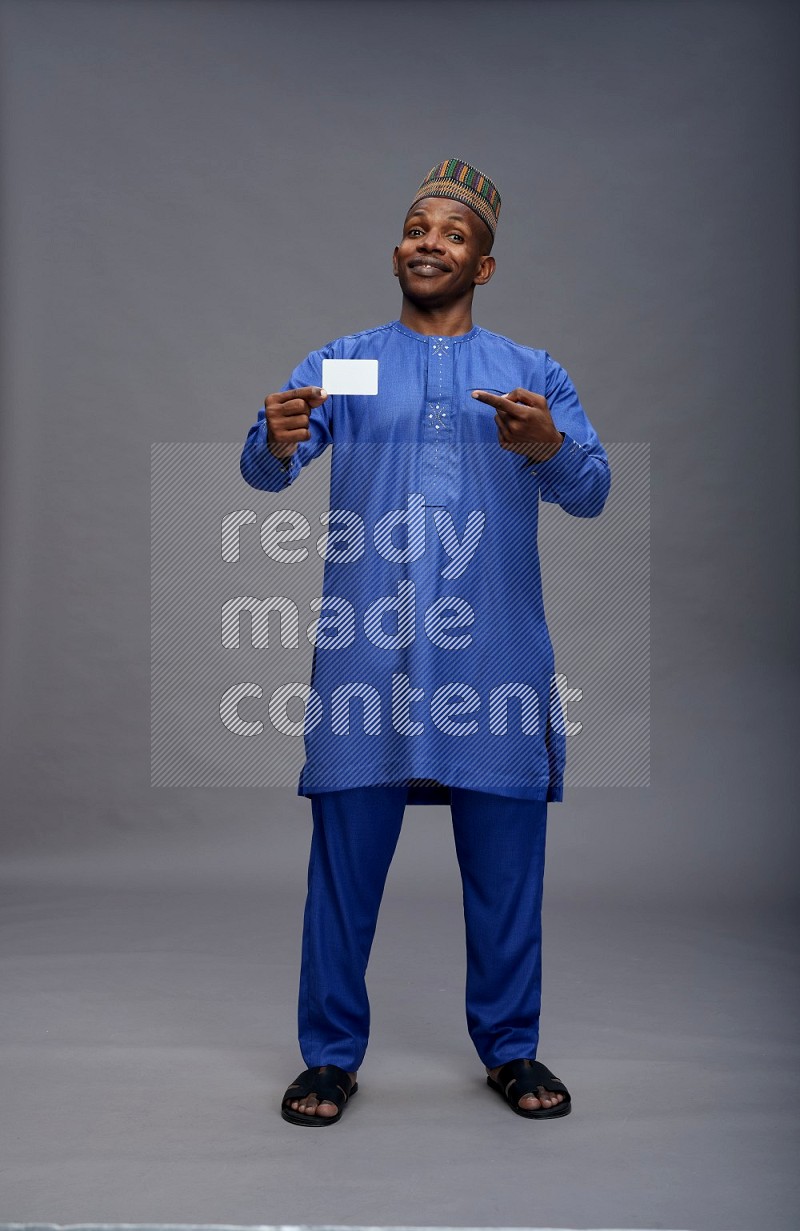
<point x="456" y="217"/>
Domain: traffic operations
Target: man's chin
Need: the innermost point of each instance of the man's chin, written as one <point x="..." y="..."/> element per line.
<point x="426" y="293"/>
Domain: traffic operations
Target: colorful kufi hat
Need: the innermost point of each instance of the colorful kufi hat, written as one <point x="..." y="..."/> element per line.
<point x="462" y="182"/>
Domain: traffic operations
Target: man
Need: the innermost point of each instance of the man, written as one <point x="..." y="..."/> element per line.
<point x="467" y="430"/>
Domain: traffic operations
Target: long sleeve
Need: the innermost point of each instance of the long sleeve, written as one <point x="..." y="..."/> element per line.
<point x="577" y="477"/>
<point x="259" y="466"/>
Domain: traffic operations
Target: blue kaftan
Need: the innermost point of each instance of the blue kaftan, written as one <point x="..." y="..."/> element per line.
<point x="433" y="665"/>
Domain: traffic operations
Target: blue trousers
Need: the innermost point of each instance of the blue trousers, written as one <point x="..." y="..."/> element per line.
<point x="500" y="846"/>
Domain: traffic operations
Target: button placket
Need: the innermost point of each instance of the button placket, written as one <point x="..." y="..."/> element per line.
<point x="438" y="423"/>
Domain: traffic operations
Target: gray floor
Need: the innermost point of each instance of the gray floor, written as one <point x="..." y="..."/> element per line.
<point x="148" y="1032"/>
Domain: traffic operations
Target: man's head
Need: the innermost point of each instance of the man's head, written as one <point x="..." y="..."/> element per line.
<point x="459" y="181"/>
<point x="448" y="234"/>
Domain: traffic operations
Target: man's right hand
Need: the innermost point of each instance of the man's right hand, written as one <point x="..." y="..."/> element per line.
<point x="287" y="418"/>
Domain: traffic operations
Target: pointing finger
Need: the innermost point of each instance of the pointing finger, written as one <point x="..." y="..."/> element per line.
<point x="511" y="404"/>
<point x="508" y="411"/>
<point x="491" y="399"/>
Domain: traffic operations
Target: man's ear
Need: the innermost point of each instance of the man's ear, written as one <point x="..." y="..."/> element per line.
<point x="485" y="270"/>
<point x="394" y="261"/>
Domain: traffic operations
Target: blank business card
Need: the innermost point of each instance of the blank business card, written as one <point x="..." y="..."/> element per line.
<point x="356" y="376"/>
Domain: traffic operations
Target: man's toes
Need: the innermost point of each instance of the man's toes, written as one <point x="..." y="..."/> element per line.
<point x="545" y="1098"/>
<point x="310" y="1107"/>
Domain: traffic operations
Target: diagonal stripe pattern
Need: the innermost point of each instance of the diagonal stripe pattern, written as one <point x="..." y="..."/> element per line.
<point x="231" y="662"/>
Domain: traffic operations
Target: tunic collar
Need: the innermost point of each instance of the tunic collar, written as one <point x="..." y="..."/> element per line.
<point x="428" y="337"/>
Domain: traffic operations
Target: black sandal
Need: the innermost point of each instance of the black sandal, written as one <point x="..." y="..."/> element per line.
<point x="525" y="1076"/>
<point x="329" y="1083"/>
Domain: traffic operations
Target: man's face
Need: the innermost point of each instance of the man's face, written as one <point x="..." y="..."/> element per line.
<point x="439" y="257"/>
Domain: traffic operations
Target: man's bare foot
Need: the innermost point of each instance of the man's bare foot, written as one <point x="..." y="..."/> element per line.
<point x="529" y="1102"/>
<point x="310" y="1105"/>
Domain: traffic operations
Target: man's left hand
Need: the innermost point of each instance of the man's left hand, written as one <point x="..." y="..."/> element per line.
<point x="524" y="423"/>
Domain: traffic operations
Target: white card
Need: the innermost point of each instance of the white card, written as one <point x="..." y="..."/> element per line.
<point x="357" y="376"/>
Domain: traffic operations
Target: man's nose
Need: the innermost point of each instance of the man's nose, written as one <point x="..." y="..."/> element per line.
<point x="431" y="241"/>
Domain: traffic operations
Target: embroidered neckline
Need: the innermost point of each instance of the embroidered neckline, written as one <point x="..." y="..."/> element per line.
<point x="435" y="337"/>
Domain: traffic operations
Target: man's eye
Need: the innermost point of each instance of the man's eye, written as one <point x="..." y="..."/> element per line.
<point x="413" y="230"/>
<point x="455" y="235"/>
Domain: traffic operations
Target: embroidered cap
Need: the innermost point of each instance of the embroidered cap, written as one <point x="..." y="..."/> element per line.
<point x="462" y="182"/>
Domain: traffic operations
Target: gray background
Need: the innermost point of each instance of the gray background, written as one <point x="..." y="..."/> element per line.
<point x="193" y="196"/>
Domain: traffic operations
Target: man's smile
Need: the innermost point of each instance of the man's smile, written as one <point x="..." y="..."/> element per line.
<point x="427" y="266"/>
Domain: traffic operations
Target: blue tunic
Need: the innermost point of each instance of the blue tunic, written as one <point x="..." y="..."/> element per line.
<point x="433" y="665"/>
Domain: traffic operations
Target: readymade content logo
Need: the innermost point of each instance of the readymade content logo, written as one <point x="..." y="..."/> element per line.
<point x="251" y="590"/>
